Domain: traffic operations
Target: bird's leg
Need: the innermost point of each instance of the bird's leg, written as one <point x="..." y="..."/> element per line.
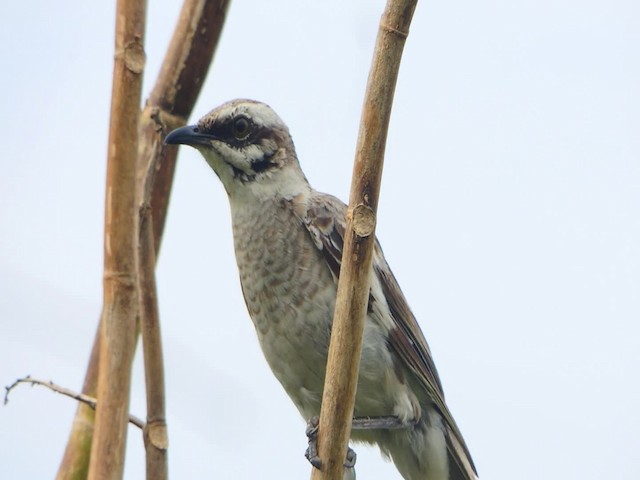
<point x="312" y="450"/>
<point x="386" y="422"/>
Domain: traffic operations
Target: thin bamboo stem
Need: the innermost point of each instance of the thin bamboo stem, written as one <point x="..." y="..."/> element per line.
<point x="156" y="439"/>
<point x="186" y="63"/>
<point x="353" y="287"/>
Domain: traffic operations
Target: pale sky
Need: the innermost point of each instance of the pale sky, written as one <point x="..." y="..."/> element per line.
<point x="508" y="212"/>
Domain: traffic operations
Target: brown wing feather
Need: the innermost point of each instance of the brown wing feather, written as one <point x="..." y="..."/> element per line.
<point x="412" y="347"/>
<point x="324" y="218"/>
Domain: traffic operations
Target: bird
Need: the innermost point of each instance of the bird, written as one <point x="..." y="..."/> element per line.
<point x="288" y="241"/>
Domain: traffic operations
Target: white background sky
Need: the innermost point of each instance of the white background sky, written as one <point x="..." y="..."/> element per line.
<point x="509" y="213"/>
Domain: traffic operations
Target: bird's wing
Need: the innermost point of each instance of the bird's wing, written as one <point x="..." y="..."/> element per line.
<point x="409" y="343"/>
<point x="325" y="219"/>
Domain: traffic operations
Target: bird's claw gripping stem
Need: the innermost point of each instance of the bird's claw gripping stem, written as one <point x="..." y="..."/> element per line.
<point x="312" y="450"/>
<point x="312" y="434"/>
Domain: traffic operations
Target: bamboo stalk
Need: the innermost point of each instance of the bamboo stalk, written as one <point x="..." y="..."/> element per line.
<point x="185" y="64"/>
<point x="354" y="283"/>
<point x="118" y="325"/>
<point x="183" y="71"/>
<point x="174" y="94"/>
<point x="156" y="439"/>
<point x="75" y="461"/>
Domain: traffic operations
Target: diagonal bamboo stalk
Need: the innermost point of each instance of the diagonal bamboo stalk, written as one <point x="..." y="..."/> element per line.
<point x="184" y="68"/>
<point x="120" y="310"/>
<point x="75" y="460"/>
<point x="353" y="286"/>
<point x="174" y="94"/>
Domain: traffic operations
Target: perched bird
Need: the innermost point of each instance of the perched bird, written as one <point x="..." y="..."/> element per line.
<point x="288" y="242"/>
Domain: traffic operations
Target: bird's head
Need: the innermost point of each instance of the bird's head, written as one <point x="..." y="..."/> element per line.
<point x="249" y="148"/>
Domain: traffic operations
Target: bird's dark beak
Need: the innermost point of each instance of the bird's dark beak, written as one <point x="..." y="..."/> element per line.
<point x="188" y="135"/>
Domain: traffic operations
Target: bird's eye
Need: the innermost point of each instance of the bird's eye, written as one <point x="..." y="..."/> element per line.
<point x="241" y="127"/>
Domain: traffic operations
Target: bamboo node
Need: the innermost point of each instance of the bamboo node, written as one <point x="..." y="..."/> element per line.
<point x="126" y="279"/>
<point x="395" y="31"/>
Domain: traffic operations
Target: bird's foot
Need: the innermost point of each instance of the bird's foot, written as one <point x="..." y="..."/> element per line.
<point x="312" y="434"/>
<point x="312" y="450"/>
<point x="350" y="461"/>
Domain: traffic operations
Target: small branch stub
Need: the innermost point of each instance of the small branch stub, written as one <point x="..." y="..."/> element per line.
<point x="156" y="434"/>
<point x="134" y="57"/>
<point x="363" y="220"/>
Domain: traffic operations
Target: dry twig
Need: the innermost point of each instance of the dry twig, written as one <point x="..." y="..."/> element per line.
<point x="80" y="397"/>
